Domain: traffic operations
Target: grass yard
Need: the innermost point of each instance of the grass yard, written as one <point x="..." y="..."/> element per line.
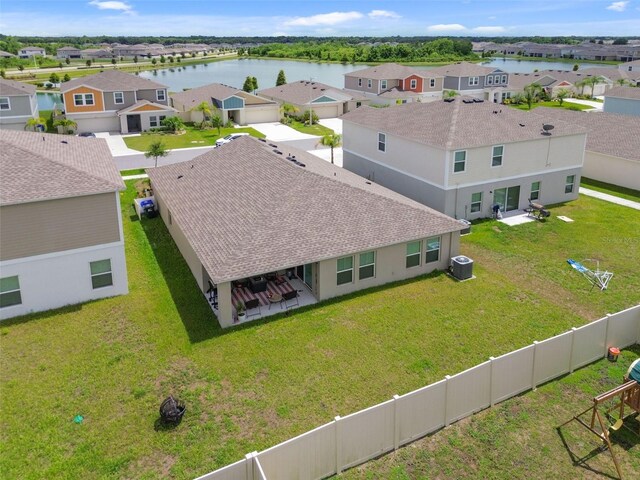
<point x="628" y="193"/>
<point x="193" y="137"/>
<point x="315" y="129"/>
<point x="518" y="438"/>
<point x="135" y="171"/>
<point x="248" y="388"/>
<point x="568" y="105"/>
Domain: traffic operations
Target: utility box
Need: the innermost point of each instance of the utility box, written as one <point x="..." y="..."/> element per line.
<point x="467" y="227"/>
<point x="462" y="267"/>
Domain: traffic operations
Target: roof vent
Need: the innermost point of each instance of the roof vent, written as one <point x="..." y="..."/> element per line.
<point x="64" y="141"/>
<point x="478" y="100"/>
<point x="521" y="124"/>
<point x="277" y="151"/>
<point x="368" y="183"/>
<point x="466" y="100"/>
<point x="262" y="140"/>
<point x="272" y="145"/>
<point x="449" y="100"/>
<point x="180" y="176"/>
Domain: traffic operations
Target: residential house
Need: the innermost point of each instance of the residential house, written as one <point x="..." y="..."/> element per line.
<point x="473" y="80"/>
<point x="625" y="100"/>
<point x="18" y="103"/>
<point x="462" y="157"/>
<point x="28" y="52"/>
<point x="325" y="100"/>
<point x="115" y="101"/>
<point x="234" y="104"/>
<point x="68" y="52"/>
<point x="632" y="71"/>
<point x="390" y="83"/>
<point x="96" y="53"/>
<point x="612" y="151"/>
<point x="61" y="235"/>
<point x="247" y="212"/>
<point x="4" y="54"/>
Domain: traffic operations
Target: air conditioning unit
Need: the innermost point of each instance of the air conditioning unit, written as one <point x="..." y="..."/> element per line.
<point x="462" y="267"/>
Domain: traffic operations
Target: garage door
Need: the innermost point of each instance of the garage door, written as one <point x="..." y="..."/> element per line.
<point x="107" y="124"/>
<point x="262" y="114"/>
<point x="327" y="111"/>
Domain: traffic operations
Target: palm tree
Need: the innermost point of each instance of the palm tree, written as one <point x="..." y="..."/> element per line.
<point x="205" y="109"/>
<point x="216" y="122"/>
<point x="449" y="93"/>
<point x="155" y="150"/>
<point x="592" y="82"/>
<point x="581" y="84"/>
<point x="68" y="125"/>
<point x="288" y="110"/>
<point x="562" y="94"/>
<point x="621" y="81"/>
<point x="34" y="123"/>
<point x="532" y="94"/>
<point x="332" y="140"/>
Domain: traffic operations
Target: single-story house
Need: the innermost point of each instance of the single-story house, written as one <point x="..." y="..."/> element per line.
<point x="68" y="52"/>
<point x="18" y="103"/>
<point x="234" y="104"/>
<point x="248" y="213"/>
<point x="28" y="52"/>
<point x="625" y="100"/>
<point x="61" y="235"/>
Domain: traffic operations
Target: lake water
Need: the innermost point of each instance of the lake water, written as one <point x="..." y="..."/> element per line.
<point x="234" y="72"/>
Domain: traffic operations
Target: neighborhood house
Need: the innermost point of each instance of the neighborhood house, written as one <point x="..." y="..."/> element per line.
<point x="18" y="103"/>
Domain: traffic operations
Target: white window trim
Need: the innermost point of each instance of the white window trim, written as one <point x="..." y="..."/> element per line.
<point x="153" y="119"/>
<point x="413" y="83"/>
<point x="115" y="100"/>
<point x="83" y="101"/>
<point x="19" y="290"/>
<point x="164" y="95"/>
<point x="426" y="244"/>
<point x="383" y="142"/>
<point x="489" y="79"/>
<point x="474" y="81"/>
<point x="369" y="83"/>
<point x="567" y="183"/>
<point x="432" y="83"/>
<point x="419" y="255"/>
<point x="8" y="101"/>
<point x="91" y="275"/>
<point x="345" y="270"/>
<point x="504" y="79"/>
<point x="478" y="202"/>
<point x="368" y="265"/>
<point x="493" y="155"/>
<point x="535" y="191"/>
<point x="383" y="84"/>
<point x="454" y="162"/>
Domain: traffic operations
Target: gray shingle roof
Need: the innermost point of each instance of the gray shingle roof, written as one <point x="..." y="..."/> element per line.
<point x="39" y="166"/>
<point x="303" y="91"/>
<point x="462" y="69"/>
<point x="607" y="133"/>
<point x="246" y="210"/>
<point x="391" y="71"/>
<point x="194" y="96"/>
<point x="454" y="125"/>
<point x="624" y="92"/>
<point x="112" y="81"/>
<point x="11" y="87"/>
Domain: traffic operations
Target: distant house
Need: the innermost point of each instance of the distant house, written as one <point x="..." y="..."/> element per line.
<point x="61" y="234"/>
<point x="18" y="103"/>
<point x="247" y="210"/>
<point x="391" y="83"/>
<point x="115" y="101"/>
<point x="486" y="83"/>
<point x="28" y="52"/>
<point x="234" y="104"/>
<point x="612" y="151"/>
<point x="96" y="53"/>
<point x="4" y="54"/>
<point x="462" y="157"/>
<point x="625" y="100"/>
<point x="68" y="52"/>
<point x="630" y="67"/>
<point x="326" y="101"/>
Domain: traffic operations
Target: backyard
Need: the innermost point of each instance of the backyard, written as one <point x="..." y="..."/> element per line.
<point x="113" y="361"/>
<point x="553" y="104"/>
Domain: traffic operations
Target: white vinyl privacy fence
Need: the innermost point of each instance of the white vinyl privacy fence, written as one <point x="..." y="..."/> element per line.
<point x="356" y="438"/>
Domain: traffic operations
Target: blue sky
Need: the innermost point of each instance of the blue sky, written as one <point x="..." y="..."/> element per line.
<point x="320" y="18"/>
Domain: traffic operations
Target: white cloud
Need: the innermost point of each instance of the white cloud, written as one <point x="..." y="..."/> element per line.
<point x="332" y="18"/>
<point x="383" y="14"/>
<point x="618" y="6"/>
<point x="495" y="29"/>
<point x="111" y="5"/>
<point x="446" y="27"/>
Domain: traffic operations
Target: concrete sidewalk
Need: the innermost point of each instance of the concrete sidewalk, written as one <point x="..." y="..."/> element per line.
<point x="610" y="198"/>
<point x="116" y="144"/>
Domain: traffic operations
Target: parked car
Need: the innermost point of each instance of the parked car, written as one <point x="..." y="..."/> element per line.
<point x="228" y="138"/>
<point x="86" y="134"/>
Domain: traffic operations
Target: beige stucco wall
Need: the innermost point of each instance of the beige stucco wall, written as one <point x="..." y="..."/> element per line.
<point x="616" y="170"/>
<point x="38" y="228"/>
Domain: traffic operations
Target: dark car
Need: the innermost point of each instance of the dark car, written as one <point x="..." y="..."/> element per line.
<point x="87" y="134"/>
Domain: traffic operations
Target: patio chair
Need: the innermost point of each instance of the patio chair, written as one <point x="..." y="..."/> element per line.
<point x="251" y="306"/>
<point x="597" y="278"/>
<point x="289" y="298"/>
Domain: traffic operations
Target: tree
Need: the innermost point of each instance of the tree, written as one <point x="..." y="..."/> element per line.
<point x="532" y="94"/>
<point x="281" y="80"/>
<point x="216" y="122"/>
<point x="60" y="65"/>
<point x="67" y="60"/>
<point x="113" y="61"/>
<point x="332" y="140"/>
<point x="174" y="124"/>
<point x="576" y="67"/>
<point x="162" y="59"/>
<point x="591" y="82"/>
<point x="620" y="41"/>
<point x="205" y="109"/>
<point x="88" y="62"/>
<point x="21" y="67"/>
<point x="254" y="82"/>
<point x="3" y="74"/>
<point x="288" y="110"/>
<point x="156" y="150"/>
<point x="562" y="94"/>
<point x="135" y="59"/>
<point x="449" y="93"/>
<point x="621" y="81"/>
<point x="68" y="125"/>
<point x="54" y="78"/>
<point x="581" y="84"/>
<point x="34" y="123"/>
<point x="248" y="84"/>
<point x="66" y="77"/>
<point x="154" y="61"/>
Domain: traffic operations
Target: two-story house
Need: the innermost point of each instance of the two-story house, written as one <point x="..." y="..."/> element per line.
<point x="18" y="103"/>
<point x="486" y="83"/>
<point x="391" y="83"/>
<point x="115" y="101"/>
<point x="28" y="52"/>
<point x="61" y="224"/>
<point x="462" y="156"/>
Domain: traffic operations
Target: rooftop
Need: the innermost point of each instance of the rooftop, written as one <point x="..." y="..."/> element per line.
<point x="303" y="92"/>
<point x="457" y="124"/>
<point x="218" y="91"/>
<point x="11" y="87"/>
<point x="112" y="81"/>
<point x="624" y="92"/>
<point x="247" y="210"/>
<point x="41" y="166"/>
<point x="462" y="69"/>
<point x="388" y="71"/>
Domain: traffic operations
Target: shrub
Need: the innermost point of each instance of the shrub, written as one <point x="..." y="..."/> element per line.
<point x="314" y="117"/>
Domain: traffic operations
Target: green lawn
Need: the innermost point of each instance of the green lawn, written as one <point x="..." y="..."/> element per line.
<point x="193" y="137"/>
<point x="628" y="193"/>
<point x="518" y="439"/>
<point x="315" y="129"/>
<point x="566" y="104"/>
<point x="135" y="171"/>
<point x="248" y="388"/>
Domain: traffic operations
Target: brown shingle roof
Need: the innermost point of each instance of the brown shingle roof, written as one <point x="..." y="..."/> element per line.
<point x="453" y="125"/>
<point x="39" y="166"/>
<point x="303" y="91"/>
<point x="218" y="91"/>
<point x="112" y="81"/>
<point x="11" y="87"/>
<point x="607" y="133"/>
<point x="624" y="92"/>
<point x="246" y="210"/>
<point x="390" y="71"/>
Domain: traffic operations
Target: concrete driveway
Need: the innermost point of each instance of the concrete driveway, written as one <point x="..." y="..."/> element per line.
<point x="325" y="154"/>
<point x="278" y="132"/>
<point x="334" y="124"/>
<point x="116" y="144"/>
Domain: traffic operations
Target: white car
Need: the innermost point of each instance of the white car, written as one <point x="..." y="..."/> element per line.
<point x="228" y="138"/>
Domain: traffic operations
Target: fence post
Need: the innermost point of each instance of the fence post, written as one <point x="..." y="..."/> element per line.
<point x="249" y="464"/>
<point x="446" y="400"/>
<point x="396" y="423"/>
<point x="606" y="336"/>
<point x="338" y="445"/>
<point x="533" y="367"/>
<point x="491" y="359"/>
<point x="573" y="341"/>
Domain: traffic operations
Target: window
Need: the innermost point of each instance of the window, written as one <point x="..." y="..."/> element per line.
<point x="506" y="95"/>
<point x="345" y="270"/>
<point x="433" y="250"/>
<point x="383" y="84"/>
<point x="88" y="98"/>
<point x="535" y="191"/>
<point x="359" y="82"/>
<point x="504" y="79"/>
<point x="10" y="292"/>
<point x="80" y="99"/>
<point x="160" y="95"/>
<point x="496" y="156"/>
<point x="367" y="265"/>
<point x="474" y="80"/>
<point x="569" y="184"/>
<point x="5" y="104"/>
<point x="630" y="68"/>
<point x="490" y="80"/>
<point x="382" y="142"/>
<point x="369" y="83"/>
<point x="459" y="160"/>
<point x="101" y="273"/>
<point x="413" y="84"/>
<point x="476" y="202"/>
<point x="358" y="104"/>
<point x="432" y="82"/>
<point x="118" y="98"/>
<point x="153" y="121"/>
<point x="413" y="254"/>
